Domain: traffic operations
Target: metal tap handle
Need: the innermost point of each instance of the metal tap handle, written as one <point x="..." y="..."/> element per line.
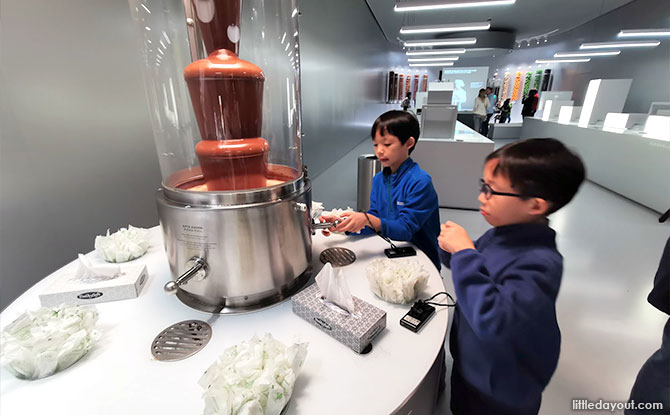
<point x="325" y="225"/>
<point x="198" y="267"/>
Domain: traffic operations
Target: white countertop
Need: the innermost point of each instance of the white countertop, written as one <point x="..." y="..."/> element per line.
<point x="463" y="134"/>
<point x="119" y="375"/>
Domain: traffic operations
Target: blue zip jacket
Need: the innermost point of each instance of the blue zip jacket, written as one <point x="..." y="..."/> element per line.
<point x="406" y="202"/>
<point x="505" y="339"/>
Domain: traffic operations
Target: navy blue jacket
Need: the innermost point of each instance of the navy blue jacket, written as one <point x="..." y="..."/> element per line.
<point x="505" y="339"/>
<point x="406" y="202"/>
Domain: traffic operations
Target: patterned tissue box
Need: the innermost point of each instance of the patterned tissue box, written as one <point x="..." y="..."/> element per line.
<point x="356" y="331"/>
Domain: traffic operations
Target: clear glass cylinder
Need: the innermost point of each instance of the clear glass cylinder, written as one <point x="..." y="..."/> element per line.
<point x="222" y="79"/>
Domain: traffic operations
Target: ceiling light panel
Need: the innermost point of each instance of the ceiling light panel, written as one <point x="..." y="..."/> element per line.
<point x="587" y="54"/>
<point x="562" y="60"/>
<point x="644" y="33"/>
<point x="441" y="42"/>
<point x="433" y="64"/>
<point x="447" y="59"/>
<point x="445" y="28"/>
<point x="421" y="5"/>
<point x="435" y="52"/>
<point x="628" y="44"/>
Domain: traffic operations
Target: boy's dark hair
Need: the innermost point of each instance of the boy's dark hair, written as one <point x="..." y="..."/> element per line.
<point x="398" y="123"/>
<point x="541" y="167"/>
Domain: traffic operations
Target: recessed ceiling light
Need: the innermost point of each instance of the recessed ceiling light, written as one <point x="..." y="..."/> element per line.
<point x="435" y="52"/>
<point x="414" y="6"/>
<point x="449" y="58"/>
<point x="581" y="54"/>
<point x="644" y="32"/>
<point x="562" y="60"/>
<point x="455" y="27"/>
<point x="433" y="64"/>
<point x="631" y="44"/>
<point x="442" y="42"/>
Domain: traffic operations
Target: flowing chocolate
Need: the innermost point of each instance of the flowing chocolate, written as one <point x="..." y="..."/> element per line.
<point x="227" y="97"/>
<point x="219" y="23"/>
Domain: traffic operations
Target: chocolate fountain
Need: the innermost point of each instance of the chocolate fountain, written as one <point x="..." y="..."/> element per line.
<point x="234" y="206"/>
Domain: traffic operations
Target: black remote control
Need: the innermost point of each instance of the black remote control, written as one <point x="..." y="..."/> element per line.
<point x="417" y="316"/>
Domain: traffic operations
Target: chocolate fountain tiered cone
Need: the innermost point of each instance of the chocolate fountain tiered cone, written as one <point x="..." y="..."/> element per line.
<point x="227" y="97"/>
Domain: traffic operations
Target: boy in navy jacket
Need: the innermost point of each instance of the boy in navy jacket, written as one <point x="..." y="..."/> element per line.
<point x="505" y="339"/>
<point x="403" y="201"/>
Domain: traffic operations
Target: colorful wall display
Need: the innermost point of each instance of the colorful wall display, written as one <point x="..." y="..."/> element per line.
<point x="401" y="87"/>
<point x="526" y="83"/>
<point x="415" y="86"/>
<point x="517" y="84"/>
<point x="389" y="89"/>
<point x="424" y="84"/>
<point x="394" y="94"/>
<point x="505" y="88"/>
<point x="545" y="79"/>
<point x="538" y="79"/>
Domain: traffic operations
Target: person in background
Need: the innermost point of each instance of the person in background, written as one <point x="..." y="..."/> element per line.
<point x="403" y="201"/>
<point x="529" y="104"/>
<point x="460" y="95"/>
<point x="505" y="111"/>
<point x="407" y="102"/>
<point x="653" y="382"/>
<point x="480" y="109"/>
<point x="489" y="113"/>
<point x="505" y="339"/>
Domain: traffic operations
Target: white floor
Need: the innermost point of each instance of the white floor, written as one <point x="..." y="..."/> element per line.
<point x="611" y="248"/>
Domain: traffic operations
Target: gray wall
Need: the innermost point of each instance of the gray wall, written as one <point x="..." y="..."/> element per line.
<point x="77" y="154"/>
<point x="648" y="67"/>
<point x="346" y="59"/>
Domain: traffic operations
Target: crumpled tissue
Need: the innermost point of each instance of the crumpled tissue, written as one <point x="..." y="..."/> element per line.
<point x="123" y="245"/>
<point x="396" y="281"/>
<point x="338" y="212"/>
<point x="334" y="288"/>
<point x="42" y="342"/>
<point x="255" y="377"/>
<point x="94" y="273"/>
<point x="317" y="209"/>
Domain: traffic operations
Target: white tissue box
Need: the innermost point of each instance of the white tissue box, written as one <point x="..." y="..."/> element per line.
<point x="68" y="291"/>
<point x="355" y="331"/>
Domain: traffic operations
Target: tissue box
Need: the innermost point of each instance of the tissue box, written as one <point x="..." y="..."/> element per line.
<point x="355" y="331"/>
<point x="65" y="290"/>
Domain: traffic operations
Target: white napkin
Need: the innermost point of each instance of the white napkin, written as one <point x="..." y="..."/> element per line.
<point x="396" y="281"/>
<point x="334" y="288"/>
<point x="95" y="273"/>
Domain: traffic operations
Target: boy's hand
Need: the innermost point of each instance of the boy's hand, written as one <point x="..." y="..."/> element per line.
<point x="353" y="222"/>
<point x="453" y="238"/>
<point x="331" y="219"/>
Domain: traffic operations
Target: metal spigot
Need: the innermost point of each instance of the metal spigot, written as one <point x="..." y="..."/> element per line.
<point x="197" y="268"/>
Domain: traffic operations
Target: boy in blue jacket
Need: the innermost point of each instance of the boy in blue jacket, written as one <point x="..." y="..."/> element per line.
<point x="403" y="201"/>
<point x="505" y="339"/>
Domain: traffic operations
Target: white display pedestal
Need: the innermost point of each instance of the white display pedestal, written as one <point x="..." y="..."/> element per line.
<point x="120" y="376"/>
<point x="603" y="96"/>
<point x="455" y="165"/>
<point x="631" y="165"/>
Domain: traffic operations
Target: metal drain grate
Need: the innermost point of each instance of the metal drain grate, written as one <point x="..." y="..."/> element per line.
<point x="181" y="340"/>
<point x="338" y="257"/>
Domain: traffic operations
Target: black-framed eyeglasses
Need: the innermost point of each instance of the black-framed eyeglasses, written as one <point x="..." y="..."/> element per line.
<point x="488" y="192"/>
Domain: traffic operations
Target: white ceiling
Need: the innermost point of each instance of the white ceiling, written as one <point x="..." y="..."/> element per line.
<point x="526" y="18"/>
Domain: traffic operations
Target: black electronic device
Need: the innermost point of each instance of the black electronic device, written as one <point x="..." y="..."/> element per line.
<point x="399" y="251"/>
<point x="417" y="316"/>
<point x="396" y="251"/>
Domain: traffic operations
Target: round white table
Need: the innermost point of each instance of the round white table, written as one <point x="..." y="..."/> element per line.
<point x="119" y="375"/>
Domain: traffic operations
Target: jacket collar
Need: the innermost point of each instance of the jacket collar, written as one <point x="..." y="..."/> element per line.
<point x="401" y="170"/>
<point x="523" y="233"/>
